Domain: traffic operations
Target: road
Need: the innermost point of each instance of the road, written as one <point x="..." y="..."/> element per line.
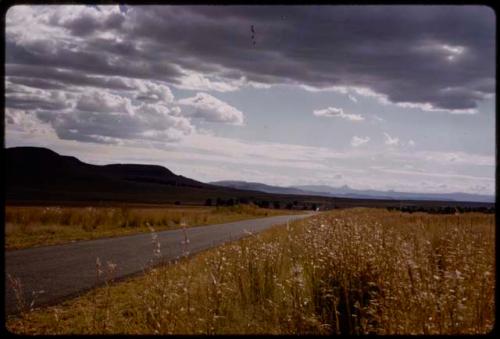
<point x="64" y="271"/>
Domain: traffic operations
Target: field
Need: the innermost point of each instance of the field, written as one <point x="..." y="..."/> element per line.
<point x="350" y="271"/>
<point x="31" y="226"/>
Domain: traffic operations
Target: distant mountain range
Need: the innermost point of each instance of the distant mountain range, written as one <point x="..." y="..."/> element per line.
<point x="347" y="192"/>
<point x="255" y="186"/>
<point x="35" y="175"/>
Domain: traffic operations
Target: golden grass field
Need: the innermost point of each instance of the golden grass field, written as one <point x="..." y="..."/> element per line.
<point x="38" y="226"/>
<point x="352" y="271"/>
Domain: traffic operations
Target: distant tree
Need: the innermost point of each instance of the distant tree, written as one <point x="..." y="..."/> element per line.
<point x="448" y="210"/>
<point x="230" y="202"/>
<point x="314" y="207"/>
<point x="276" y="204"/>
<point x="264" y="204"/>
<point x="295" y="203"/>
<point x="208" y="202"/>
<point x="289" y="205"/>
<point x="244" y="201"/>
<point x="177" y="202"/>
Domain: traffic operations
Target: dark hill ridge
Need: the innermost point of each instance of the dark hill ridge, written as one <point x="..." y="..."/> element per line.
<point x="35" y="175"/>
<point x="149" y="173"/>
<point x="34" y="164"/>
<point x="41" y="176"/>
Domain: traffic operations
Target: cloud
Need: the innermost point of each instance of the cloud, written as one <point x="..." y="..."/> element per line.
<point x="390" y="141"/>
<point x="91" y="114"/>
<point x="411" y="143"/>
<point x="103" y="102"/>
<point x="456" y="158"/>
<point x="332" y="112"/>
<point x="104" y="76"/>
<point x="39" y="77"/>
<point x="106" y="109"/>
<point x="26" y="98"/>
<point x="18" y="121"/>
<point x="197" y="81"/>
<point x="407" y="55"/>
<point x="435" y="174"/>
<point x="142" y="122"/>
<point x="206" y="107"/>
<point x="358" y="141"/>
<point x="153" y="92"/>
<point x="352" y="98"/>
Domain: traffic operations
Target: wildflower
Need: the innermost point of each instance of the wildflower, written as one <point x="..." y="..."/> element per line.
<point x="98" y="266"/>
<point x="111" y="266"/>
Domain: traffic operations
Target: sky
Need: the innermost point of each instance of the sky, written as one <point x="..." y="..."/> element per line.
<point x="373" y="97"/>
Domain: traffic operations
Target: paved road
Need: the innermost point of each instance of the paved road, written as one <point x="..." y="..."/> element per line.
<point x="63" y="271"/>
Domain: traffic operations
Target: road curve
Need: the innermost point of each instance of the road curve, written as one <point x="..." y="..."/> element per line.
<point x="63" y="271"/>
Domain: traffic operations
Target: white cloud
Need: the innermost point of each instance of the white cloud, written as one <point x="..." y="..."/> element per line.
<point x="19" y="121"/>
<point x="352" y="98"/>
<point x="197" y="81"/>
<point x="449" y="52"/>
<point x="206" y="107"/>
<point x="332" y="112"/>
<point x="434" y="174"/>
<point x="390" y="141"/>
<point x="383" y="98"/>
<point x="358" y="141"/>
<point x="150" y="91"/>
<point x="103" y="101"/>
<point x="411" y="143"/>
<point x="95" y="115"/>
<point x="456" y="158"/>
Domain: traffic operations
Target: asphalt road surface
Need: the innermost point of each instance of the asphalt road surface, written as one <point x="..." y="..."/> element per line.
<point x="64" y="271"/>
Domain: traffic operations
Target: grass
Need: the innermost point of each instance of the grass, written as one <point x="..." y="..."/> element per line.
<point x="355" y="271"/>
<point x="38" y="226"/>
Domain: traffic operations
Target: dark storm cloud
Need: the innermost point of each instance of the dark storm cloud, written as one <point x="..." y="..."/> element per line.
<point x="32" y="76"/>
<point x="88" y="24"/>
<point x="36" y="83"/>
<point x="409" y="54"/>
<point x="440" y="55"/>
<point x="28" y="103"/>
<point x="89" y="60"/>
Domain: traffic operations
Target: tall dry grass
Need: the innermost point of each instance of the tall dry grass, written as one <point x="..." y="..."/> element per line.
<point x="355" y="271"/>
<point x="36" y="226"/>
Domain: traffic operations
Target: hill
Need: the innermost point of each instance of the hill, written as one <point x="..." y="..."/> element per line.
<point x="255" y="186"/>
<point x="35" y="175"/>
<point x="40" y="174"/>
<point x="347" y="192"/>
